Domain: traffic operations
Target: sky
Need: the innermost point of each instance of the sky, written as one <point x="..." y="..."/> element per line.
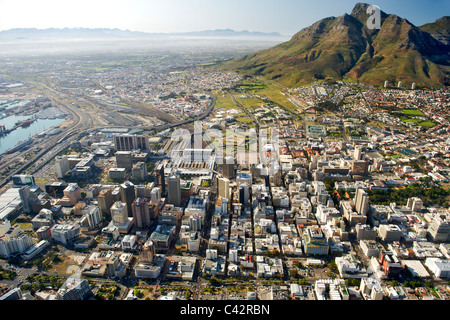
<point x="284" y="16"/>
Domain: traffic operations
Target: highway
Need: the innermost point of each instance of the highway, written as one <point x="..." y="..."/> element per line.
<point x="82" y="126"/>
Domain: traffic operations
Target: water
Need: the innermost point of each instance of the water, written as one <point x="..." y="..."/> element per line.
<point x="23" y="134"/>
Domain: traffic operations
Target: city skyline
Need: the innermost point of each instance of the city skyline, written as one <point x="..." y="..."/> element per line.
<point x="285" y="16"/>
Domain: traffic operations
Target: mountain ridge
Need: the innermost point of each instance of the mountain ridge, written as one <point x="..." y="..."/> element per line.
<point x="344" y="48"/>
<point x="33" y="33"/>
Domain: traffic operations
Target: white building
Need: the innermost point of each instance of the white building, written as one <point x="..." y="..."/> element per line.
<point x="65" y="233"/>
<point x="128" y="242"/>
<point x="325" y="214"/>
<point x="439" y="267"/>
<point x="11" y="245"/>
<point x="371" y="289"/>
<point x="62" y="166"/>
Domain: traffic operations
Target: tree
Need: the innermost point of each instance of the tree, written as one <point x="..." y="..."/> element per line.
<point x="293" y="273"/>
<point x="303" y="282"/>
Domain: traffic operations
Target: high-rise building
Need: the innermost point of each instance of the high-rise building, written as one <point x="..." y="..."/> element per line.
<point x="72" y="194"/>
<point x="127" y="195"/>
<point x="439" y="230"/>
<point x="147" y="253"/>
<point x="119" y="214"/>
<point x="361" y="201"/>
<point x="93" y="216"/>
<point x="174" y="191"/>
<point x="357" y="153"/>
<point x="228" y="168"/>
<point x="124" y="159"/>
<point x="415" y="204"/>
<point x="139" y="171"/>
<point x="62" y="166"/>
<point x="27" y="196"/>
<point x="195" y="223"/>
<point x="155" y="195"/>
<point x="160" y="178"/>
<point x="105" y="200"/>
<point x="141" y="213"/>
<point x="223" y="186"/>
<point x="126" y="142"/>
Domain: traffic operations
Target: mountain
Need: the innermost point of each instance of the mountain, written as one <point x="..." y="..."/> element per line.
<point x="344" y="48"/>
<point x="54" y="33"/>
<point x="440" y="29"/>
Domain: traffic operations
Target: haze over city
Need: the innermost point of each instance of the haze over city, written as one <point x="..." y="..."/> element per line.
<point x="283" y="16"/>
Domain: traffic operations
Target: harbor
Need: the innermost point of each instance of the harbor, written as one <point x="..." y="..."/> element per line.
<point x="21" y="120"/>
<point x="14" y="130"/>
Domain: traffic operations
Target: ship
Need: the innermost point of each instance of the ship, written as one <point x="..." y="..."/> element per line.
<point x="20" y="146"/>
<point x="24" y="123"/>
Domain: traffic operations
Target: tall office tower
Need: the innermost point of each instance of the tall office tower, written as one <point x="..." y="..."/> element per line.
<point x="174" y="191"/>
<point x="243" y="194"/>
<point x="105" y="200"/>
<point x="93" y="216"/>
<point x="160" y="178"/>
<point x="195" y="223"/>
<point x="62" y="166"/>
<point x="223" y="186"/>
<point x="224" y="206"/>
<point x="155" y="195"/>
<point x="126" y="142"/>
<point x="386" y="84"/>
<point x="124" y="159"/>
<point x="228" y="168"/>
<point x="413" y="86"/>
<point x="415" y="204"/>
<point x="27" y="197"/>
<point x="127" y="195"/>
<point x="400" y="84"/>
<point x="148" y="252"/>
<point x="139" y="171"/>
<point x="141" y="213"/>
<point x="357" y="155"/>
<point x="119" y="213"/>
<point x="362" y="201"/>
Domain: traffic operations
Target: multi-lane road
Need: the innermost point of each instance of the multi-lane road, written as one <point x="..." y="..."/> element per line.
<point x="82" y="124"/>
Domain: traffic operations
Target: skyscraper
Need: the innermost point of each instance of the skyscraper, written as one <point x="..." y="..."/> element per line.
<point x="141" y="213"/>
<point x="62" y="166"/>
<point x="124" y="159"/>
<point x="119" y="214"/>
<point x="223" y="186"/>
<point x="228" y="168"/>
<point x="127" y="195"/>
<point x="105" y="200"/>
<point x="174" y="191"/>
<point x="362" y="201"/>
<point x="357" y="153"/>
<point x="160" y="178"/>
<point x="27" y="196"/>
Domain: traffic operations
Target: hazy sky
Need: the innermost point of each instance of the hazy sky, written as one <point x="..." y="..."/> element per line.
<point x="284" y="16"/>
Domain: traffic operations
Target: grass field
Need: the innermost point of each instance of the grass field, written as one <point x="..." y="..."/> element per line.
<point x="409" y="117"/>
<point x="224" y="101"/>
<point x="413" y="112"/>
